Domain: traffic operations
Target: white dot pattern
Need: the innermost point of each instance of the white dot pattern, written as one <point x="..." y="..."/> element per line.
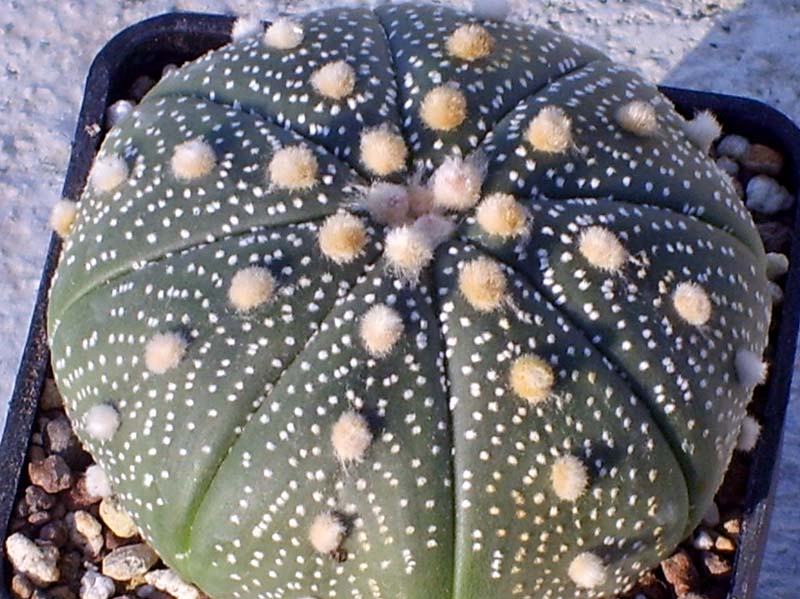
<point x="226" y="460"/>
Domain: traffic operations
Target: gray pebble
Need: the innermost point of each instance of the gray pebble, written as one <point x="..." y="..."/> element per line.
<point x="766" y="196"/>
<point x="129" y="561"/>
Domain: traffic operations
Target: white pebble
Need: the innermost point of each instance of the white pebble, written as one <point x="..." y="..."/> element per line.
<point x="766" y="196"/>
<point x="702" y="540"/>
<point x="96" y="586"/>
<point x="168" y="581"/>
<point x="118" y="112"/>
<point x="775" y="293"/>
<point x="39" y="563"/>
<point x="734" y="146"/>
<point x="777" y="265"/>
<point x="728" y="165"/>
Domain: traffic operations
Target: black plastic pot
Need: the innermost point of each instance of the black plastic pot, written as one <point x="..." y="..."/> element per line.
<point x="145" y="48"/>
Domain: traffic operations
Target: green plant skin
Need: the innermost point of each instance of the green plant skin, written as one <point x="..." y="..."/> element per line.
<point x="225" y="460"/>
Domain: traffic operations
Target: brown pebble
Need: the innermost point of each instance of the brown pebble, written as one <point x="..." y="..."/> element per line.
<point x="61" y="592"/>
<point x="71" y="567"/>
<point x="724" y="544"/>
<point x="50" y="398"/>
<point x="38" y="499"/>
<point x="714" y="564"/>
<point x="36" y="453"/>
<point x="78" y="497"/>
<point x="130" y="561"/>
<point x="651" y="586"/>
<point x="776" y="236"/>
<point x="55" y="533"/>
<point x="733" y="526"/>
<point x="39" y="518"/>
<point x="58" y="435"/>
<point x="140" y="87"/>
<point x="113" y="541"/>
<point x="21" y="586"/>
<point x="86" y="533"/>
<point x="52" y="474"/>
<point x="680" y="572"/>
<point x="762" y="159"/>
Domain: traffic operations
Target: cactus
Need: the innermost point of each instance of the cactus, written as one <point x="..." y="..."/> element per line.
<point x="405" y="303"/>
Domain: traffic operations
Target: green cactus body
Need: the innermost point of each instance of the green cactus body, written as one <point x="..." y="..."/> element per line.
<point x="312" y="390"/>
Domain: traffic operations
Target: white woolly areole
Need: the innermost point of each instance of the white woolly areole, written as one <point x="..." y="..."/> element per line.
<point x="483" y="284"/>
<point x="380" y="330"/>
<point x="251" y="287"/>
<point x="326" y="533"/>
<point x="502" y="215"/>
<point x="587" y="570"/>
<point x="531" y="378"/>
<point x="383" y="151"/>
<point x="456" y="184"/>
<point x="443" y="108"/>
<point x="602" y="248"/>
<point x="351" y="437"/>
<point x="284" y="34"/>
<point x="342" y="237"/>
<point x="97" y="483"/>
<point x="408" y="251"/>
<point x="692" y="303"/>
<point x="101" y="422"/>
<point x="193" y="159"/>
<point x="497" y="10"/>
<point x="293" y="167"/>
<point x="470" y="42"/>
<point x="550" y="130"/>
<point x="638" y="117"/>
<point x="748" y="434"/>
<point x="334" y="80"/>
<point x="387" y="203"/>
<point x="436" y="228"/>
<point x="569" y="477"/>
<point x="702" y="130"/>
<point x="62" y="216"/>
<point x="245" y="26"/>
<point x="751" y="370"/>
<point x="164" y="351"/>
<point x="108" y="172"/>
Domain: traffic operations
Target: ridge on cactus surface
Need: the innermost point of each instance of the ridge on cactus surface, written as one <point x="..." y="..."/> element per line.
<point x="406" y="303"/>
